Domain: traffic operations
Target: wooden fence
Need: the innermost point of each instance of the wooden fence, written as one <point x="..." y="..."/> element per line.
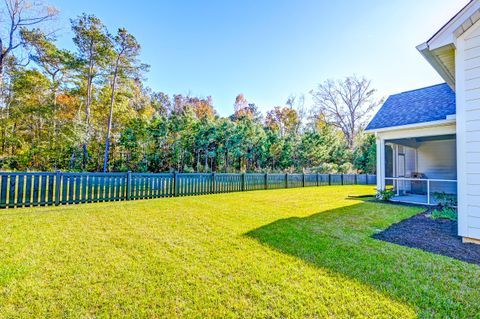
<point x="46" y="189"/>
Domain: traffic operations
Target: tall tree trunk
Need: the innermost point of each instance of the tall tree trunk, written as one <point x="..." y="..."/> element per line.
<point x="72" y="159"/>
<point x="89" y="89"/>
<point x="197" y="159"/>
<point x="3" y="100"/>
<point x="226" y="161"/>
<point x="88" y="105"/>
<point x="110" y="117"/>
<point x="3" y="53"/>
<point x="206" y="159"/>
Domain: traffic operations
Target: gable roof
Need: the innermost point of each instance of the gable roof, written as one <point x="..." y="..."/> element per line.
<point x="439" y="50"/>
<point x="458" y="24"/>
<point x="424" y="105"/>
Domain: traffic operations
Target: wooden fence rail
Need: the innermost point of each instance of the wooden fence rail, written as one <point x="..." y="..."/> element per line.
<point x="58" y="188"/>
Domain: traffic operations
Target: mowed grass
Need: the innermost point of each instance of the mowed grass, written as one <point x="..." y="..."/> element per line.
<point x="266" y="254"/>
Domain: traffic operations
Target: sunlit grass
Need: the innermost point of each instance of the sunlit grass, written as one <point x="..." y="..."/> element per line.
<point x="286" y="253"/>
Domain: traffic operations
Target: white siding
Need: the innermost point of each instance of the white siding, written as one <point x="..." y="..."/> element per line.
<point x="468" y="131"/>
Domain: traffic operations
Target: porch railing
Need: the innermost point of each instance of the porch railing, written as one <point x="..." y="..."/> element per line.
<point x="428" y="181"/>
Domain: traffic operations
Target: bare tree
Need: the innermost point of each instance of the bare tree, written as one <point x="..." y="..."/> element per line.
<point x="18" y="16"/>
<point x="240" y="104"/>
<point x="345" y="104"/>
<point x="297" y="103"/>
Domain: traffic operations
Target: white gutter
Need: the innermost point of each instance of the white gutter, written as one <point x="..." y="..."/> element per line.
<point x="448" y="121"/>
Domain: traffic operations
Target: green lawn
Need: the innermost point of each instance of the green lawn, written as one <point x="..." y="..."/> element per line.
<point x="285" y="253"/>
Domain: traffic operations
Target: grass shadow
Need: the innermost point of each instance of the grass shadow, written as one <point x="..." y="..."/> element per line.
<point x="340" y="240"/>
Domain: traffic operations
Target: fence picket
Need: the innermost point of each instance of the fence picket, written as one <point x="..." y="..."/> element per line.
<point x="43" y="190"/>
<point x="78" y="180"/>
<point x="95" y="189"/>
<point x="101" y="188"/>
<point x="11" y="197"/>
<point x="83" y="198"/>
<point x="3" y="191"/>
<point x="57" y="187"/>
<point x="136" y="187"/>
<point x="144" y="187"/>
<point x="50" y="190"/>
<point x="20" y="189"/>
<point x="89" y="189"/>
<point x="28" y="189"/>
<point x="71" y="181"/>
<point x="35" y="190"/>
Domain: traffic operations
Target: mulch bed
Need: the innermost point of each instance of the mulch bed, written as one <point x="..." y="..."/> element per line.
<point x="436" y="236"/>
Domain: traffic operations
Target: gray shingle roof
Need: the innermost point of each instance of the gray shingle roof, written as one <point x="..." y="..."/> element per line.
<point x="428" y="104"/>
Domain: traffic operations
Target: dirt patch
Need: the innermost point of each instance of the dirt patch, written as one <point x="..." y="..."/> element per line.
<point x="436" y="236"/>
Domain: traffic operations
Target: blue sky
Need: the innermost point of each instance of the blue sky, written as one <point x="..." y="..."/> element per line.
<point x="269" y="49"/>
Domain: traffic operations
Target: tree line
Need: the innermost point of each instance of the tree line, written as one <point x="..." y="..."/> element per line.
<point x="89" y="109"/>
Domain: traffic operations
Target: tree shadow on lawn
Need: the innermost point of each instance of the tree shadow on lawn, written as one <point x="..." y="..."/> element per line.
<point x="340" y="240"/>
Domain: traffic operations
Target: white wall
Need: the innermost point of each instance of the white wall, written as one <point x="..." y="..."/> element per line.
<point x="410" y="161"/>
<point x="438" y="160"/>
<point x="468" y="130"/>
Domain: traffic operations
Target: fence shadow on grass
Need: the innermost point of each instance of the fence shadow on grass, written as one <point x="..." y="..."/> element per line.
<point x="340" y="240"/>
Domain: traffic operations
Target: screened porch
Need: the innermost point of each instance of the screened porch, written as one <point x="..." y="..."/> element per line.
<point x="419" y="169"/>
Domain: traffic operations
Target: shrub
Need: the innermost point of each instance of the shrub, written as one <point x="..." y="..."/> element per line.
<point x="446" y="206"/>
<point x="445" y="213"/>
<point x="328" y="168"/>
<point x="445" y="200"/>
<point x="346" y="168"/>
<point x="385" y="195"/>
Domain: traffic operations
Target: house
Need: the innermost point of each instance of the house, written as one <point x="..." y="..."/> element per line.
<point x="428" y="140"/>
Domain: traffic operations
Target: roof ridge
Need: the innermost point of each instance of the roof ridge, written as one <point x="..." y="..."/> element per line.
<point x="450" y="20"/>
<point x="423" y="88"/>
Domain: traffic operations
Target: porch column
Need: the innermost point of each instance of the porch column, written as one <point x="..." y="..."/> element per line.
<point x="380" y="163"/>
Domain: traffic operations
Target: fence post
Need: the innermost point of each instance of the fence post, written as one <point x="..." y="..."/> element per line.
<point x="214" y="183"/>
<point x="128" y="193"/>
<point x="266" y="181"/>
<point x="329" y="179"/>
<point x="3" y="193"/>
<point x="428" y="191"/>
<point x="341" y="177"/>
<point x="176" y="186"/>
<point x="286" y="180"/>
<point x="356" y="179"/>
<point x="303" y="179"/>
<point x="243" y="182"/>
<point x="57" y="187"/>
<point x="317" y="179"/>
<point x="211" y="183"/>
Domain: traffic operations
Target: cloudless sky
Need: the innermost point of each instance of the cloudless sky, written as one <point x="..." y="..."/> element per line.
<point x="270" y="49"/>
